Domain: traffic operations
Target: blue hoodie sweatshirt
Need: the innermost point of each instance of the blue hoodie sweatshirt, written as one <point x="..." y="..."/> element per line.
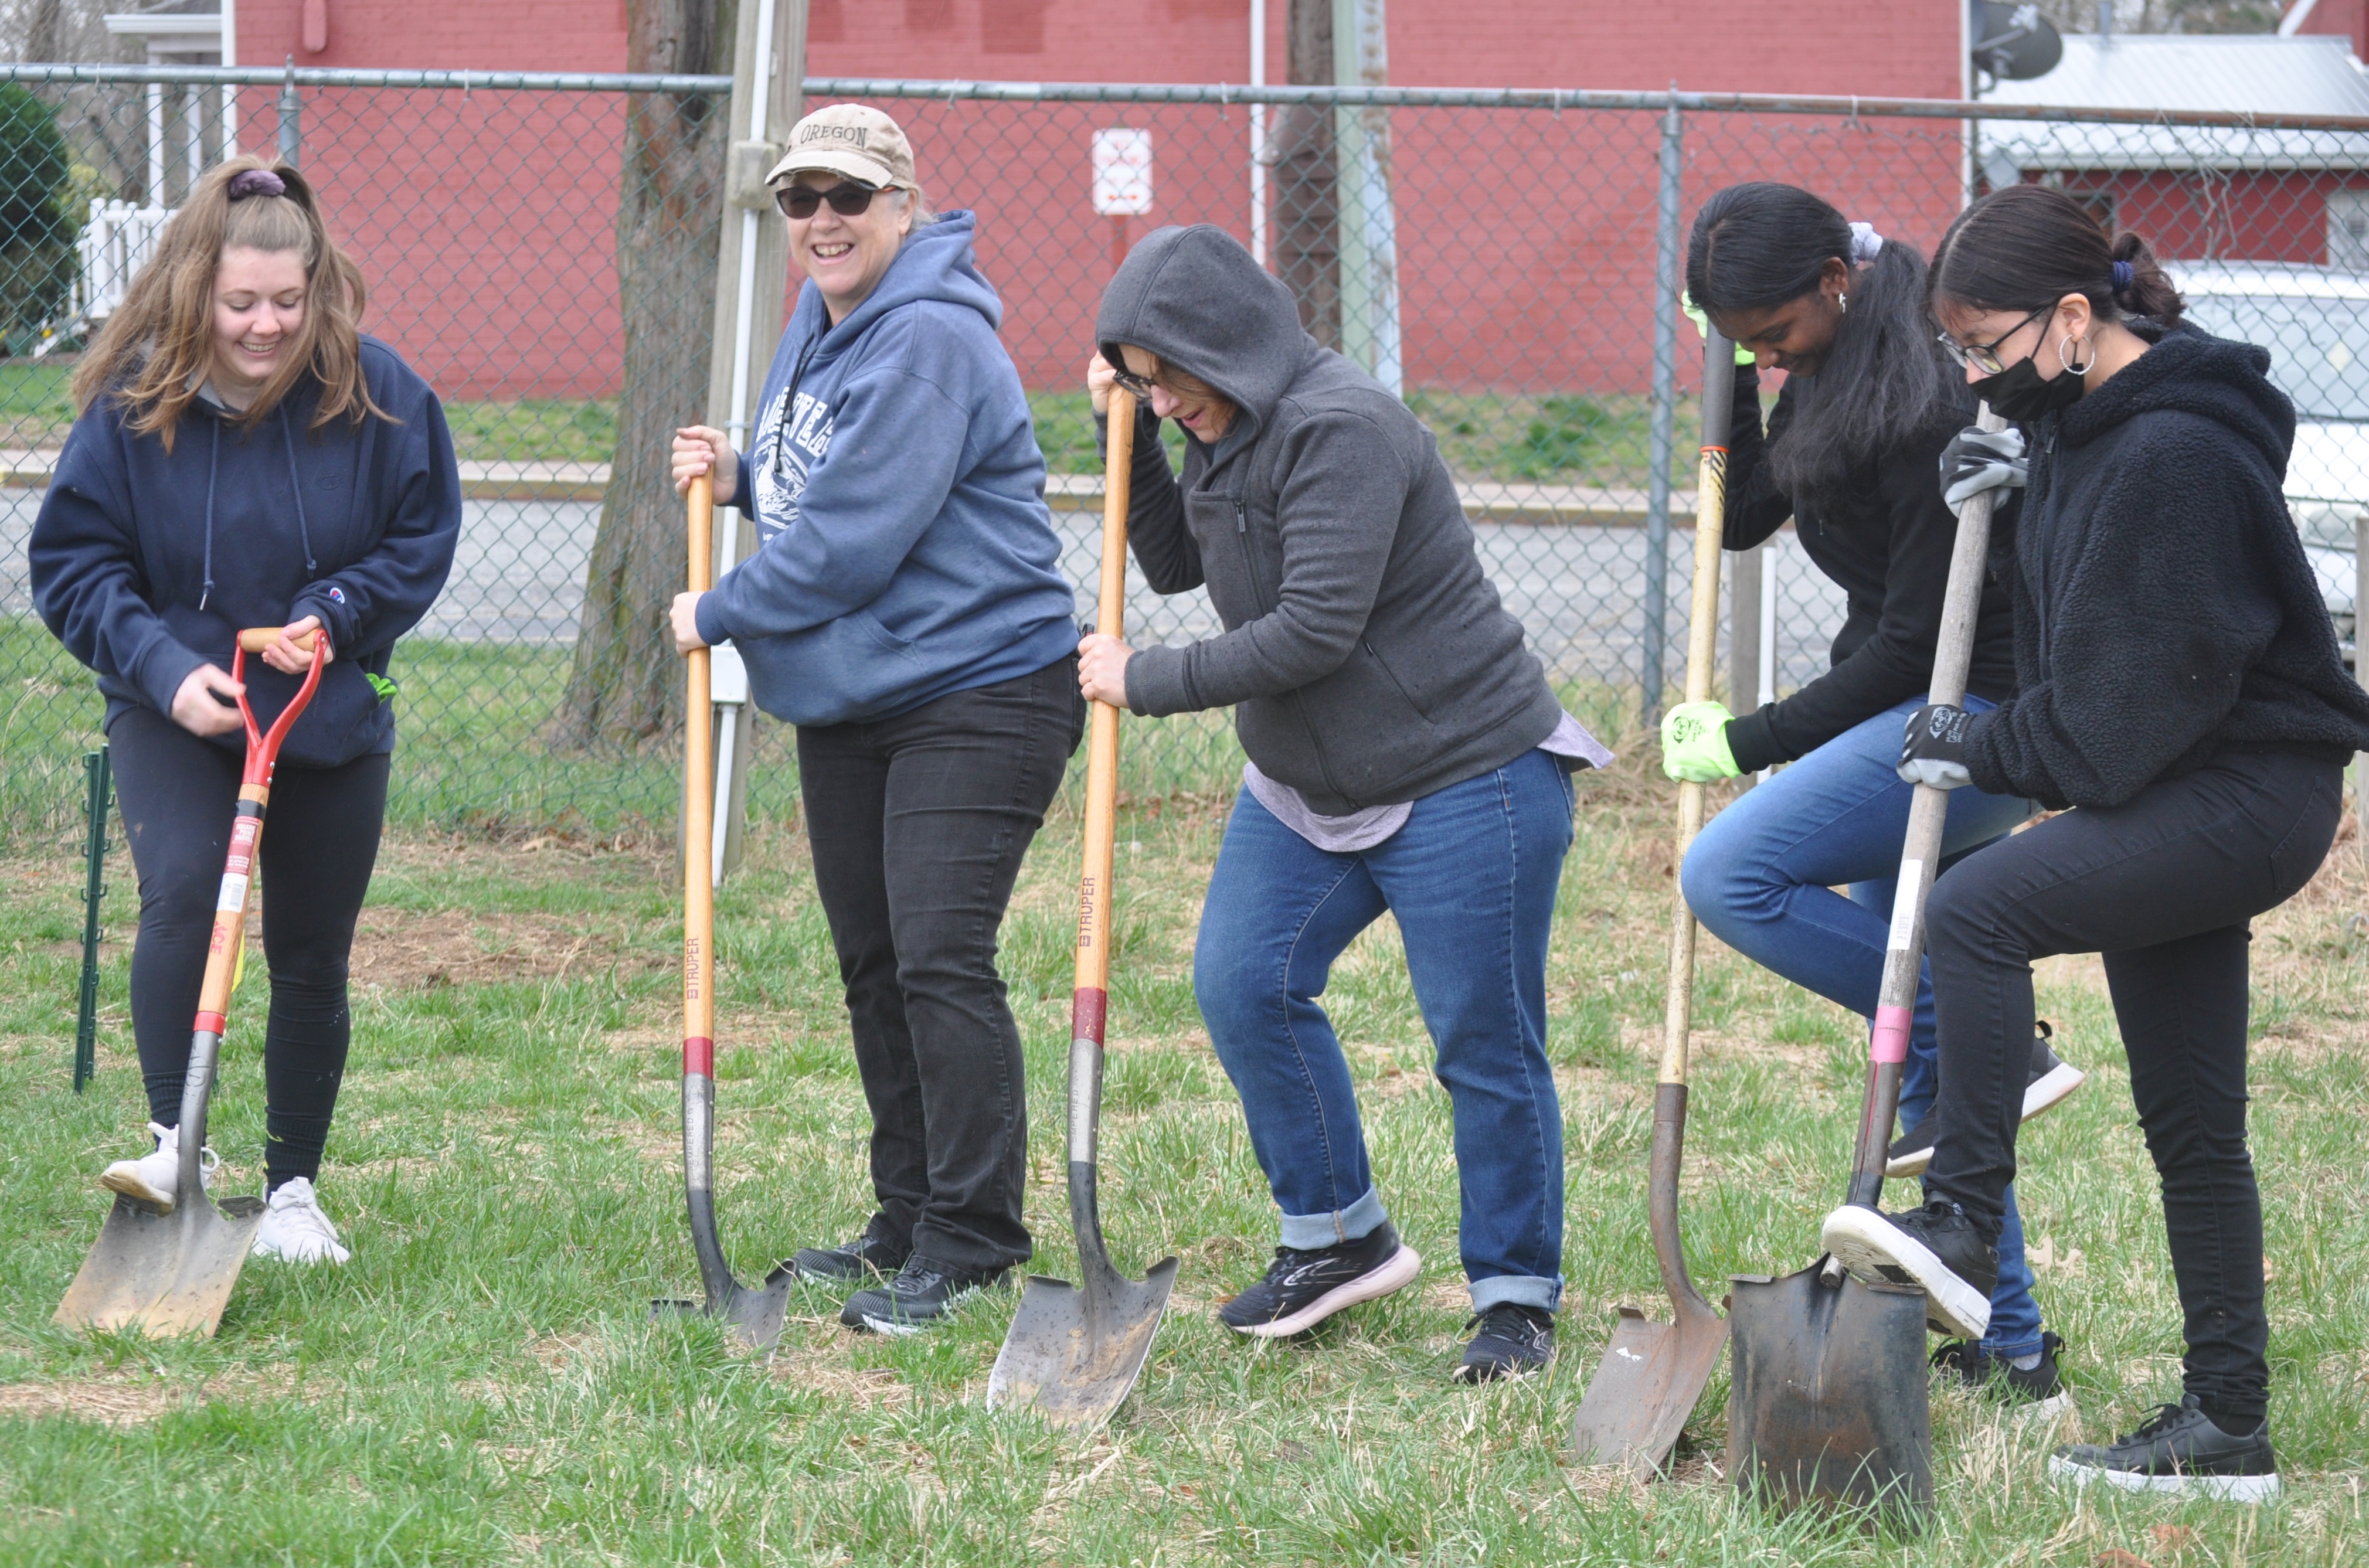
<point x="146" y="564"/>
<point x="904" y="551"/>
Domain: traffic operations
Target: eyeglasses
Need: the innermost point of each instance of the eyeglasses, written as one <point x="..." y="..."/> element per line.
<point x="1984" y="357"/>
<point x="1140" y="386"/>
<point x="849" y="200"/>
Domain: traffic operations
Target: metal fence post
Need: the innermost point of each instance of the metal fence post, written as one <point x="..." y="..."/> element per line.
<point x="291" y="113"/>
<point x="97" y="792"/>
<point x="1744" y="633"/>
<point x="1665" y="381"/>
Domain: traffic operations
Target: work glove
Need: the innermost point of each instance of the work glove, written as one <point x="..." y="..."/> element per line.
<point x="1978" y="459"/>
<point x="1933" y="751"/>
<point x="1694" y="743"/>
<point x="1702" y="330"/>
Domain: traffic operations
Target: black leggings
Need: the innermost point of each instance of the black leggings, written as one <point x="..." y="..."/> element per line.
<point x="320" y="840"/>
<point x="2162" y="887"/>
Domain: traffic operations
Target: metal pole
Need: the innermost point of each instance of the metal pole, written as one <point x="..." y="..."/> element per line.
<point x="1744" y="631"/>
<point x="1665" y="382"/>
<point x="2361" y="671"/>
<point x="96" y="791"/>
<point x="292" y="112"/>
<point x="1258" y="133"/>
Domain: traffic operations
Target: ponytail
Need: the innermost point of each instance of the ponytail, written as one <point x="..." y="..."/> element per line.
<point x="2027" y="246"/>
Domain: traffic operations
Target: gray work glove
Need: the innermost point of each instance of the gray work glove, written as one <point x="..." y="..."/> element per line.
<point x="1933" y="750"/>
<point x="1978" y="459"/>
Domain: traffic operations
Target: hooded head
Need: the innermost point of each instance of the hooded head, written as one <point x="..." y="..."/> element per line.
<point x="1194" y="298"/>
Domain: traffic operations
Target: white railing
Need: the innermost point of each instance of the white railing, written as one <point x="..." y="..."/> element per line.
<point x="115" y="244"/>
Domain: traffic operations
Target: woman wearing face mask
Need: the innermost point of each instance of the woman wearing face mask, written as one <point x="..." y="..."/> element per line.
<point x="905" y="611"/>
<point x="1406" y="755"/>
<point x="2181" y="688"/>
<point x="245" y="457"/>
<point x="1868" y="405"/>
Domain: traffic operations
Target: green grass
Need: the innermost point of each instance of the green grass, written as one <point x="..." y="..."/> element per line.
<point x="483" y="1385"/>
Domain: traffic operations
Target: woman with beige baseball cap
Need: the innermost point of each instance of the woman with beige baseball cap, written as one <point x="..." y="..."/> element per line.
<point x="904" y="610"/>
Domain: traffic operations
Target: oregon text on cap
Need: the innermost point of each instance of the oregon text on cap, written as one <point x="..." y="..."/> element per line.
<point x="859" y="134"/>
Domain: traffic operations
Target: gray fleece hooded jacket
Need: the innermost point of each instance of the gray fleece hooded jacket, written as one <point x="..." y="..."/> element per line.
<point x="1366" y="656"/>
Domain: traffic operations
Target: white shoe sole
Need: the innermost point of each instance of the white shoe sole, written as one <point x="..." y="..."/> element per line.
<point x="2220" y="1488"/>
<point x="125" y="1178"/>
<point x="1865" y="1240"/>
<point x="2044" y="1094"/>
<point x="1393" y="1273"/>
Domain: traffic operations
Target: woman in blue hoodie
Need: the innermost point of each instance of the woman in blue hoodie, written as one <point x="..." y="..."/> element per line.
<point x="244" y="457"/>
<point x="904" y="610"/>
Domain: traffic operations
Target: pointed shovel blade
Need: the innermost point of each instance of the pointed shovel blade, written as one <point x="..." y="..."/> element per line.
<point x="755" y="1316"/>
<point x="163" y="1273"/>
<point x="1644" y="1388"/>
<point x="1073" y="1351"/>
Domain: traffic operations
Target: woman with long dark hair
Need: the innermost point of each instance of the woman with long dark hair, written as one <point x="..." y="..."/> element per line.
<point x="2180" y="688"/>
<point x="1850" y="454"/>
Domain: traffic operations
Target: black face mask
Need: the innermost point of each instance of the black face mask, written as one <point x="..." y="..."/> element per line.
<point x="2017" y="393"/>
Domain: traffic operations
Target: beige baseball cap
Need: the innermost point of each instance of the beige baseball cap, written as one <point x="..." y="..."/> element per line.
<point x="851" y="138"/>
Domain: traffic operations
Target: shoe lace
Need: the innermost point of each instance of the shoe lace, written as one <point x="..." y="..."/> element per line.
<point x="2161" y="1419"/>
<point x="918" y="1277"/>
<point x="1506" y="1320"/>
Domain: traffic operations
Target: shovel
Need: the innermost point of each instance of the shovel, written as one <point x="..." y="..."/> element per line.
<point x="1652" y="1373"/>
<point x="755" y="1316"/>
<point x="1829" y="1398"/>
<point x="1073" y="1350"/>
<point x="172" y="1273"/>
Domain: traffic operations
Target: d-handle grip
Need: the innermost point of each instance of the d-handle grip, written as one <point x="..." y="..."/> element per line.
<point x="255" y="639"/>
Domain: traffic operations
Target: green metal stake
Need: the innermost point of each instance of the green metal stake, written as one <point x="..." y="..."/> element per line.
<point x="98" y="791"/>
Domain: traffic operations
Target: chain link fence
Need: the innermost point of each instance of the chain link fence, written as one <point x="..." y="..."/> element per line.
<point x="1506" y="260"/>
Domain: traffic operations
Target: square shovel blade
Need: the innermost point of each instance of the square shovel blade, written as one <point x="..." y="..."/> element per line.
<point x="1645" y="1388"/>
<point x="163" y="1273"/>
<point x="1828" y="1398"/>
<point x="1074" y="1352"/>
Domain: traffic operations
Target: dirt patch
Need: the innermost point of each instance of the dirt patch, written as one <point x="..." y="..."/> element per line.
<point x="129" y="1401"/>
<point x="408" y="950"/>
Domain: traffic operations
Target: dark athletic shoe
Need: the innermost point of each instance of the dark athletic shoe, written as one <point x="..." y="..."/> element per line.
<point x="2178" y="1449"/>
<point x="1935" y="1247"/>
<point x="1970" y="1364"/>
<point x="1303" y="1288"/>
<point x="924" y="1292"/>
<point x="869" y="1256"/>
<point x="2050" y="1080"/>
<point x="1514" y="1342"/>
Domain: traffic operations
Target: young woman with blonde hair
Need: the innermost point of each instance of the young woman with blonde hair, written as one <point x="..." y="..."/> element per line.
<point x="245" y="457"/>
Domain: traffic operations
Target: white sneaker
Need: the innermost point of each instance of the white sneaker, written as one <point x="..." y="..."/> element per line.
<point x="294" y="1228"/>
<point x="155" y="1178"/>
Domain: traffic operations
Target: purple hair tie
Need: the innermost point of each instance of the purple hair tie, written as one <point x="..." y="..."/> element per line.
<point x="2122" y="276"/>
<point x="263" y="182"/>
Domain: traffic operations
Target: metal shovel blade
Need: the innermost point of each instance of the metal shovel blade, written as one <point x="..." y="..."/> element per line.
<point x="1646" y="1387"/>
<point x="1828" y="1397"/>
<point x="1073" y="1350"/>
<point x="163" y="1273"/>
<point x="756" y="1315"/>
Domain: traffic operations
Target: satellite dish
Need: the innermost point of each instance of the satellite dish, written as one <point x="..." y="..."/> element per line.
<point x="2014" y="43"/>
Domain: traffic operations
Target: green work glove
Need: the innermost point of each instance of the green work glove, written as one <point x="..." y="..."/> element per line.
<point x="1702" y="327"/>
<point x="1694" y="743"/>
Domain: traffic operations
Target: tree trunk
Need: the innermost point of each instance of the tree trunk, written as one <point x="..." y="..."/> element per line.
<point x="626" y="685"/>
<point x="1307" y="243"/>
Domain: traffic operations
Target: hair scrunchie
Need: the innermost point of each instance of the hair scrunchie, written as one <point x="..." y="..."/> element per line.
<point x="256" y="182"/>
<point x="2124" y="273"/>
<point x="1866" y="244"/>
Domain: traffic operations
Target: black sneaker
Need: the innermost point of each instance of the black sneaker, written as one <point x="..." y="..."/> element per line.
<point x="2178" y="1449"/>
<point x="2049" y="1082"/>
<point x="1935" y="1247"/>
<point x="869" y="1256"/>
<point x="1514" y="1342"/>
<point x="1303" y="1288"/>
<point x="924" y="1292"/>
<point x="1970" y="1364"/>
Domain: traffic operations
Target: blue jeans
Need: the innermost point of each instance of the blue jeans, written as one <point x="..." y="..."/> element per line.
<point x="1760" y="878"/>
<point x="1471" y="880"/>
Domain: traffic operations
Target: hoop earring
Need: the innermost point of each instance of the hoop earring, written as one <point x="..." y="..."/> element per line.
<point x="2064" y="362"/>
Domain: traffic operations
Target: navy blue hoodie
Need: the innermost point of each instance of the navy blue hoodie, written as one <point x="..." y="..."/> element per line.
<point x="904" y="549"/>
<point x="146" y="564"/>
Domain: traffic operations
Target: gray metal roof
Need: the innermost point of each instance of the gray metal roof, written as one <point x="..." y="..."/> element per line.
<point x="2237" y="72"/>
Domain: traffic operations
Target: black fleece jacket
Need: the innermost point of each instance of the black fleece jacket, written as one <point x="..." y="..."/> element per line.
<point x="2164" y="609"/>
<point x="1885" y="538"/>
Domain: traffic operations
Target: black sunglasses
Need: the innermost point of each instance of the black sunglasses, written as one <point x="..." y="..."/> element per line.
<point x="848" y="201"/>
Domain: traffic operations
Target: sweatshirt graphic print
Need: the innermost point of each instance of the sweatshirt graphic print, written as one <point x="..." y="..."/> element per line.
<point x="787" y="451"/>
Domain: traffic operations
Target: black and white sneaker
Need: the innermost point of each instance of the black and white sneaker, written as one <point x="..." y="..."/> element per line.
<point x="1969" y="1362"/>
<point x="924" y="1292"/>
<point x="2050" y="1081"/>
<point x="2178" y="1449"/>
<point x="1514" y="1342"/>
<point x="1303" y="1288"/>
<point x="1935" y="1247"/>
<point x="869" y="1256"/>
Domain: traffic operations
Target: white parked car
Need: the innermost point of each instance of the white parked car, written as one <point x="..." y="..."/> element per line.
<point x="2315" y="322"/>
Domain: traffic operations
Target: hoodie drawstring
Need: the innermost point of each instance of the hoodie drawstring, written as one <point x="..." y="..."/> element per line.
<point x="304" y="533"/>
<point x="295" y="483"/>
<point x="213" y="466"/>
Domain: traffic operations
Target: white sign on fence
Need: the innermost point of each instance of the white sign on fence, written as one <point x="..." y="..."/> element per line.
<point x="1122" y="172"/>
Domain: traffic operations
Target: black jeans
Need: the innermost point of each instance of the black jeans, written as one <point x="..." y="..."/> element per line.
<point x="918" y="824"/>
<point x="320" y="841"/>
<point x="2162" y="887"/>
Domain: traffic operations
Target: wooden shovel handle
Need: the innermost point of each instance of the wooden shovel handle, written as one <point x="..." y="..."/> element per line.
<point x="255" y="639"/>
<point x="1102" y="748"/>
<point x="699" y="812"/>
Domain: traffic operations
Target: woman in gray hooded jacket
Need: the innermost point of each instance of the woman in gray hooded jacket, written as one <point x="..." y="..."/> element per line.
<point x="1406" y="754"/>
